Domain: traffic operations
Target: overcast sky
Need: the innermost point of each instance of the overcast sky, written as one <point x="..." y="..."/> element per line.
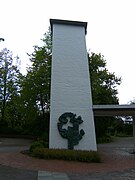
<point x="110" y="31"/>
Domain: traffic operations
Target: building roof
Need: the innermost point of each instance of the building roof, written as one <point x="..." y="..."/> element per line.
<point x="114" y="110"/>
<point x="68" y="22"/>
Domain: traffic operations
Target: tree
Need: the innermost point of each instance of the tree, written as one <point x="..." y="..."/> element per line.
<point x="40" y="72"/>
<point x="36" y="86"/>
<point x="131" y="102"/>
<point x="9" y="82"/>
<point x="103" y="84"/>
<point x="35" y="93"/>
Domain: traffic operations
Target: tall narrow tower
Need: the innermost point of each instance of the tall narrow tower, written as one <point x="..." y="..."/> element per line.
<point x="71" y="116"/>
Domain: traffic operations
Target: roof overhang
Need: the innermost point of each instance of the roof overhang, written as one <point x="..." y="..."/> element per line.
<point x="68" y="22"/>
<point x="114" y="110"/>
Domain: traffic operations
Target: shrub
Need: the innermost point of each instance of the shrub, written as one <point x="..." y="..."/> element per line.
<point x="38" y="144"/>
<point x="104" y="139"/>
<point x="69" y="155"/>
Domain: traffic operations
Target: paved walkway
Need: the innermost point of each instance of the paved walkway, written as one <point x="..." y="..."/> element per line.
<point x="118" y="163"/>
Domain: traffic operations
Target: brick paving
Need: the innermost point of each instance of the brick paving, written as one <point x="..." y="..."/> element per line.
<point x="117" y="163"/>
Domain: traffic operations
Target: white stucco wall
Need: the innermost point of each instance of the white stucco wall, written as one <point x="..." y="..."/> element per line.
<point x="70" y="84"/>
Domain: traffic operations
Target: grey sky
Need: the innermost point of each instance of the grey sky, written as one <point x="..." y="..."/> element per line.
<point x="111" y="31"/>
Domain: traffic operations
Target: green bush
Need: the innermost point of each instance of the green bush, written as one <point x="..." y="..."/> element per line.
<point x="44" y="136"/>
<point x="38" y="144"/>
<point x="69" y="155"/>
<point x="104" y="139"/>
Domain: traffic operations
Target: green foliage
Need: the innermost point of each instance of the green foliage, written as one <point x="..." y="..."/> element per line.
<point x="103" y="83"/>
<point x="104" y="139"/>
<point x="68" y="155"/>
<point x="25" y="100"/>
<point x="38" y="144"/>
<point x="35" y="94"/>
<point x="124" y="129"/>
<point x="128" y="129"/>
<point x="37" y="127"/>
<point x="103" y="123"/>
<point x="10" y="85"/>
<point x="45" y="135"/>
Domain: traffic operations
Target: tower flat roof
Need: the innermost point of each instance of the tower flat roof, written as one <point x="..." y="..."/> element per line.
<point x="68" y="22"/>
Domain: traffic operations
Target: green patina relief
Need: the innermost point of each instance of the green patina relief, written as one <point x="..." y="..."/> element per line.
<point x="72" y="133"/>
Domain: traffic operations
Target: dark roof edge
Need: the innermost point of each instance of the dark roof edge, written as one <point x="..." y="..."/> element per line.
<point x="68" y="22"/>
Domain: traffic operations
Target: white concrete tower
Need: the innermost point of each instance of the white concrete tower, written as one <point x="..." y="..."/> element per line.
<point x="70" y="87"/>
